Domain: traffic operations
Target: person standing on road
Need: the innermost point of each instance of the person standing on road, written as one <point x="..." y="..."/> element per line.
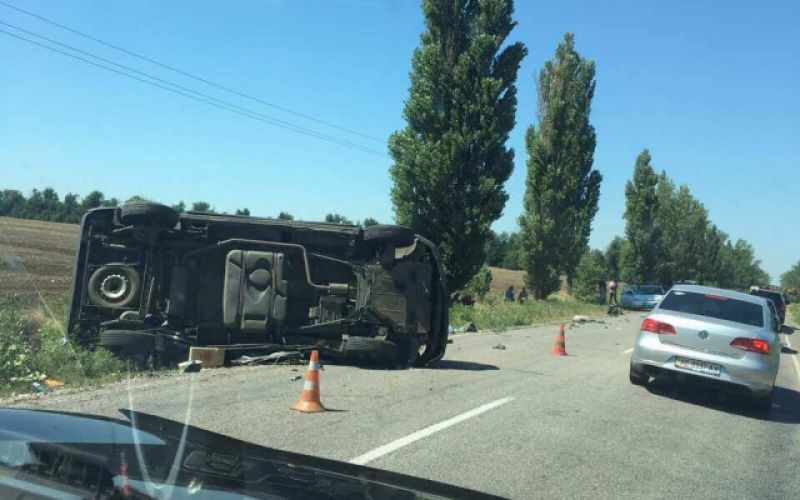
<point x="510" y="293"/>
<point x="612" y="288"/>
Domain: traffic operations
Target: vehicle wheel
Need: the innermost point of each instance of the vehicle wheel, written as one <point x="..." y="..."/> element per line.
<point x="381" y="352"/>
<point x="407" y="350"/>
<point x="129" y="344"/>
<point x="637" y="376"/>
<point x="147" y="213"/>
<point x="399" y="235"/>
<point x="114" y="285"/>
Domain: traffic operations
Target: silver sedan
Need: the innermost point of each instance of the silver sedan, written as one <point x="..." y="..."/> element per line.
<point x="712" y="334"/>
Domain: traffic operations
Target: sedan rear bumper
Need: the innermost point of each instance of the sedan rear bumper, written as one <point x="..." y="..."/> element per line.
<point x="754" y="372"/>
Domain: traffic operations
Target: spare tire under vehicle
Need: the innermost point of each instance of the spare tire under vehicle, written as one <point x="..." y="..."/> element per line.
<point x="146" y="213"/>
<point x="114" y="285"/>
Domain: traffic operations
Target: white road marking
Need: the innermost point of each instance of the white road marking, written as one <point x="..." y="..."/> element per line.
<point x="793" y="356"/>
<point x="416" y="436"/>
<point x="627" y="351"/>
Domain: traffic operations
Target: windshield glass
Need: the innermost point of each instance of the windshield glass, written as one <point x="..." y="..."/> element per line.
<point x="649" y="290"/>
<point x="713" y="306"/>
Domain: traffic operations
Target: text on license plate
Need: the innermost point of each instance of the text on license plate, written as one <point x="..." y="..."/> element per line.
<point x="697" y="366"/>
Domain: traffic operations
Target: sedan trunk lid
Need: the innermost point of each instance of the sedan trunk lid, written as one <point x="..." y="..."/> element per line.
<point x="703" y="334"/>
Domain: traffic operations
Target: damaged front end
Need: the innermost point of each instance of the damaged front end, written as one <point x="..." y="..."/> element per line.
<point x="148" y="282"/>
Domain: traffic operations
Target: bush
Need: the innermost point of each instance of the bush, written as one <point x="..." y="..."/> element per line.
<point x="33" y="348"/>
<point x="590" y="271"/>
<point x="478" y="286"/>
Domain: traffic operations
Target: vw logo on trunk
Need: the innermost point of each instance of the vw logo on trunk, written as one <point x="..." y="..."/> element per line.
<point x="702" y="334"/>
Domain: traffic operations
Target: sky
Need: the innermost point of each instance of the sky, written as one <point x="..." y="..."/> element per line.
<point x="709" y="87"/>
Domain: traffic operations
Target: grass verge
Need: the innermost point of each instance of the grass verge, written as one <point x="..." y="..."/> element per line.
<point x="495" y="313"/>
<point x="794" y="314"/>
<point x="33" y="350"/>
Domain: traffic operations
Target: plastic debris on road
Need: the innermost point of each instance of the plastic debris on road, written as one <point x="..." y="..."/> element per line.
<point x="289" y="357"/>
<point x="468" y="327"/>
<point x="192" y="366"/>
<point x="53" y="383"/>
<point x="580" y="318"/>
<point x="295" y="377"/>
<point x="499" y="346"/>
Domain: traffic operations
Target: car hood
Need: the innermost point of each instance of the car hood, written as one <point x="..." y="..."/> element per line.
<point x="156" y="457"/>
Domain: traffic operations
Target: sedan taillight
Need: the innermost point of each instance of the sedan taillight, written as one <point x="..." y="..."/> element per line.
<point x="751" y="345"/>
<point x="655" y="326"/>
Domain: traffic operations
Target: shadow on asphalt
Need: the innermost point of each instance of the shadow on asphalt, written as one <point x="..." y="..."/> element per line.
<point x="785" y="402"/>
<point x="450" y="364"/>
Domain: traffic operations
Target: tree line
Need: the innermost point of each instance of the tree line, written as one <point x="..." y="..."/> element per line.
<point x="668" y="237"/>
<point x="46" y="205"/>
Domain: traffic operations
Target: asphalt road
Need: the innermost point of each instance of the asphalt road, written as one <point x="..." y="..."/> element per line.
<point x="517" y="422"/>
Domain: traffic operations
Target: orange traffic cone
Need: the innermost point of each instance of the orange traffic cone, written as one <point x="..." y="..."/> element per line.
<point x="560" y="349"/>
<point x="309" y="398"/>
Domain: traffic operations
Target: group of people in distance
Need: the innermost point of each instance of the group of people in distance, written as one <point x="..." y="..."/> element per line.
<point x="521" y="297"/>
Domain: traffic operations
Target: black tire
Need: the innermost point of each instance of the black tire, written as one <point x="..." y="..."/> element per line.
<point x="127" y="341"/>
<point x="399" y="235"/>
<point x="146" y="213"/>
<point x="638" y="377"/>
<point x="381" y="352"/>
<point x="115" y="286"/>
<point x="407" y="350"/>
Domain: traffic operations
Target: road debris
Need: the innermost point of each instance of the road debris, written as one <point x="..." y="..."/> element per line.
<point x="280" y="357"/>
<point x="499" y="346"/>
<point x="53" y="383"/>
<point x="579" y="318"/>
<point x="295" y="377"/>
<point x="468" y="327"/>
<point x="191" y="366"/>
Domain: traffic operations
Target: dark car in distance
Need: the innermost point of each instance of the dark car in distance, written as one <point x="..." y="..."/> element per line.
<point x="777" y="298"/>
<point x="149" y="281"/>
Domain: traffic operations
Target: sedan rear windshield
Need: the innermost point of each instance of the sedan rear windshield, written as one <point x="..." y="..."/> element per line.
<point x="650" y="290"/>
<point x="714" y="306"/>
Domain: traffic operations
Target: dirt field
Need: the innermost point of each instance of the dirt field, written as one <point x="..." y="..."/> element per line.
<point x="501" y="278"/>
<point x="36" y="257"/>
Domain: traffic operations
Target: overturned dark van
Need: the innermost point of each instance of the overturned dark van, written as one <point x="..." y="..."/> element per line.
<point x="149" y="281"/>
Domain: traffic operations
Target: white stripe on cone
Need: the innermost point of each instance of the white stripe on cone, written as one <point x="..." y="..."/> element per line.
<point x="313" y="365"/>
<point x="309" y="385"/>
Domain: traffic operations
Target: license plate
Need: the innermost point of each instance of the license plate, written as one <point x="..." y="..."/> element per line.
<point x="697" y="366"/>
